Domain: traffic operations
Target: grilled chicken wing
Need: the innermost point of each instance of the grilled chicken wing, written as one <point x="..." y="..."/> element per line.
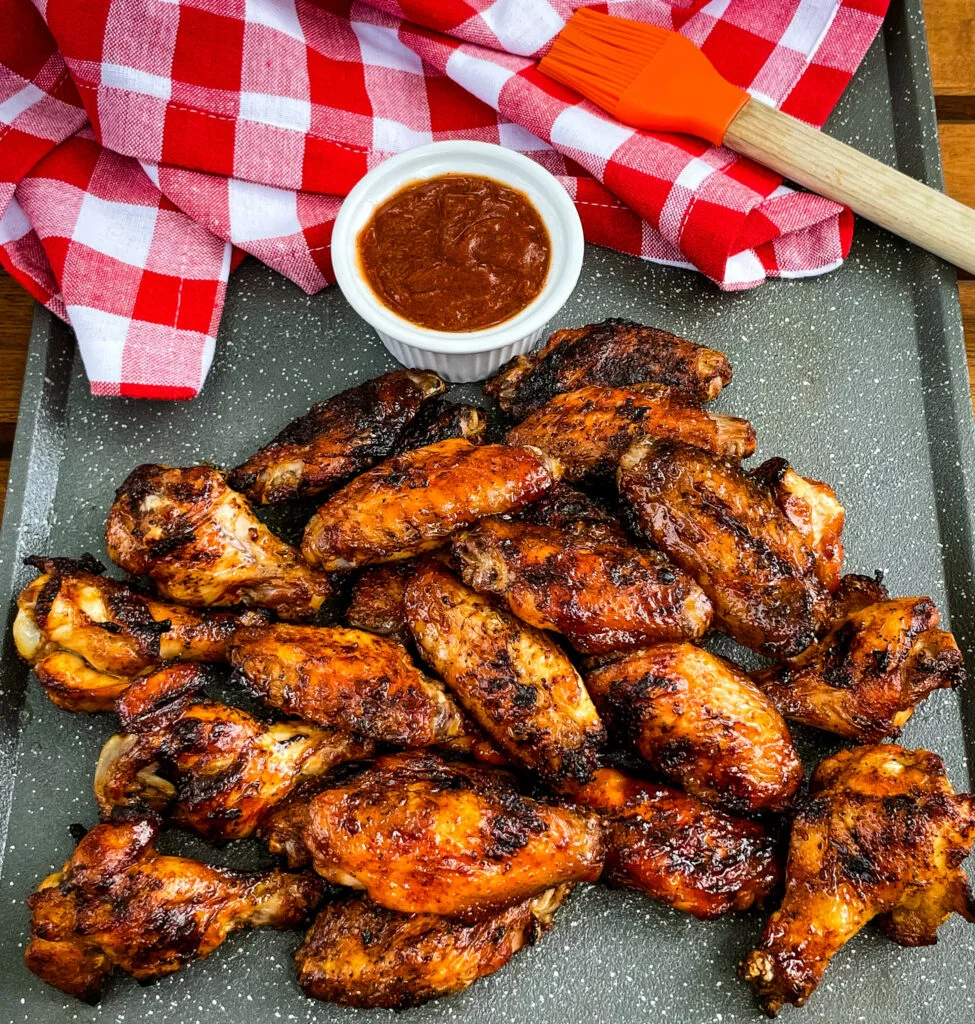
<point x="864" y="679"/>
<point x="336" y="439"/>
<point x="565" y="508"/>
<point x="358" y="953"/>
<point x="702" y="724"/>
<point x="722" y="527"/>
<point x="601" y="595"/>
<point x="87" y="637"/>
<point x="118" y="903"/>
<point x="426" y="836"/>
<point x="515" y="682"/>
<point x="213" y="768"/>
<point x="376" y="602"/>
<point x="413" y="502"/>
<point x="345" y="679"/>
<point x="813" y="508"/>
<point x="202" y="544"/>
<point x="588" y="431"/>
<point x="882" y="835"/>
<point x="678" y="850"/>
<point x="441" y="420"/>
<point x="614" y="353"/>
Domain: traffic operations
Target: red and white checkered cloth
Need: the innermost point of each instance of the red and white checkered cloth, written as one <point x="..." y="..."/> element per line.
<point x="140" y="140"/>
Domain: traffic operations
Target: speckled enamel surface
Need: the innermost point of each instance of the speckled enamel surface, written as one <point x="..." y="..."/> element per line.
<point x="858" y="377"/>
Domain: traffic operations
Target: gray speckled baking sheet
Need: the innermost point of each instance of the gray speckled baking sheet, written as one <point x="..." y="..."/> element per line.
<point x="858" y="377"/>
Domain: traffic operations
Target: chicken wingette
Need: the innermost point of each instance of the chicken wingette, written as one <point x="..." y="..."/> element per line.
<point x="881" y="836"/>
<point x="702" y="724"/>
<point x="515" y="682"/>
<point x="441" y="420"/>
<point x="724" y="528"/>
<point x="427" y="836"/>
<point x="415" y="501"/>
<point x="119" y="903"/>
<point x="337" y="439"/>
<point x="88" y="637"/>
<point x="201" y="544"/>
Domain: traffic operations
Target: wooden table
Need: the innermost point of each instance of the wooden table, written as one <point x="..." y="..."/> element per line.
<point x="951" y="32"/>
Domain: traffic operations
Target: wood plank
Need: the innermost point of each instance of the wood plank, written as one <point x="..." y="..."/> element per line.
<point x="951" y="42"/>
<point x="958" y="156"/>
<point x="4" y="473"/>
<point x="16" y="312"/>
<point x="966" y="292"/>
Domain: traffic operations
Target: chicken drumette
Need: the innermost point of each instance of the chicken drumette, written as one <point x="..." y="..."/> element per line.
<point x="88" y="637"/>
<point x="201" y="544"/>
<point x="337" y="439"/>
<point x="882" y="835"/>
<point x="119" y="903"/>
<point x="614" y="353"/>
<point x="441" y="420"/>
<point x="210" y="767"/>
<point x="413" y="502"/>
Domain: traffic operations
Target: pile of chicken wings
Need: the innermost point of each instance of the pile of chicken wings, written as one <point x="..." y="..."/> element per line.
<point x="509" y="698"/>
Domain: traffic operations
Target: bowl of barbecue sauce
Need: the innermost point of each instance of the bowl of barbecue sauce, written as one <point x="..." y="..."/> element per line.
<point x="458" y="254"/>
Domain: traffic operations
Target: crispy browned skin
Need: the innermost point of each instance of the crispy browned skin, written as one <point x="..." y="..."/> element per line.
<point x="346" y="679"/>
<point x="426" y="836"/>
<point x="360" y="954"/>
<point x="413" y="502"/>
<point x="118" y="903"/>
<point x="678" y="850"/>
<point x="614" y="353"/>
<point x="202" y="544"/>
<point x="882" y="835"/>
<point x="866" y="676"/>
<point x="515" y="682"/>
<point x="376" y="602"/>
<point x="601" y="595"/>
<point x="856" y="592"/>
<point x="814" y="510"/>
<point x="589" y="430"/>
<point x="441" y="420"/>
<point x="87" y="636"/>
<point x="212" y="768"/>
<point x="702" y="724"/>
<point x="565" y="508"/>
<point x="722" y="527"/>
<point x="336" y="439"/>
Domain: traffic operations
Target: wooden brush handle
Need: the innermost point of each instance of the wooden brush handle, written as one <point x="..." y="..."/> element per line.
<point x="922" y="215"/>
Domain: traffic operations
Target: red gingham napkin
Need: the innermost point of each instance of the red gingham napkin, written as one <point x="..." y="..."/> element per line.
<point x="141" y="139"/>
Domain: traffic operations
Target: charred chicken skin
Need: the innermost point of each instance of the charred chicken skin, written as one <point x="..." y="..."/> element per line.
<point x="588" y="431"/>
<point x="441" y="420"/>
<point x="358" y="953"/>
<point x="601" y="595"/>
<point x="882" y="835"/>
<point x="678" y="850"/>
<point x="702" y="724"/>
<point x="415" y="501"/>
<point x="212" y="768"/>
<point x="346" y="679"/>
<point x="614" y="353"/>
<point x="866" y="676"/>
<point x="88" y="637"/>
<point x="336" y="439"/>
<point x="119" y="903"/>
<point x="514" y="681"/>
<point x="723" y="528"/>
<point x="376" y="601"/>
<point x="578" y="513"/>
<point x="425" y="836"/>
<point x="202" y="545"/>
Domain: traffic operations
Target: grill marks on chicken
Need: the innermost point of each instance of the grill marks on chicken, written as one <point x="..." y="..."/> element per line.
<point x="345" y="679"/>
<point x="422" y="835"/>
<point x="515" y="682"/>
<point x="866" y="676"/>
<point x="882" y="835"/>
<point x="678" y="850"/>
<point x="336" y="439"/>
<point x="723" y="528"/>
<point x="614" y="353"/>
<point x="119" y="903"/>
<point x="413" y="502"/>
<point x="358" y="953"/>
<point x="201" y="544"/>
<point x="589" y="430"/>
<point x="702" y="724"/>
<point x="212" y="768"/>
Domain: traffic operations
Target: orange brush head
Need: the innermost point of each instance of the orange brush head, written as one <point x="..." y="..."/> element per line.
<point x="645" y="76"/>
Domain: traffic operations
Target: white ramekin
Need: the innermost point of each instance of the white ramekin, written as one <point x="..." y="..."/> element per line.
<point x="460" y="355"/>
